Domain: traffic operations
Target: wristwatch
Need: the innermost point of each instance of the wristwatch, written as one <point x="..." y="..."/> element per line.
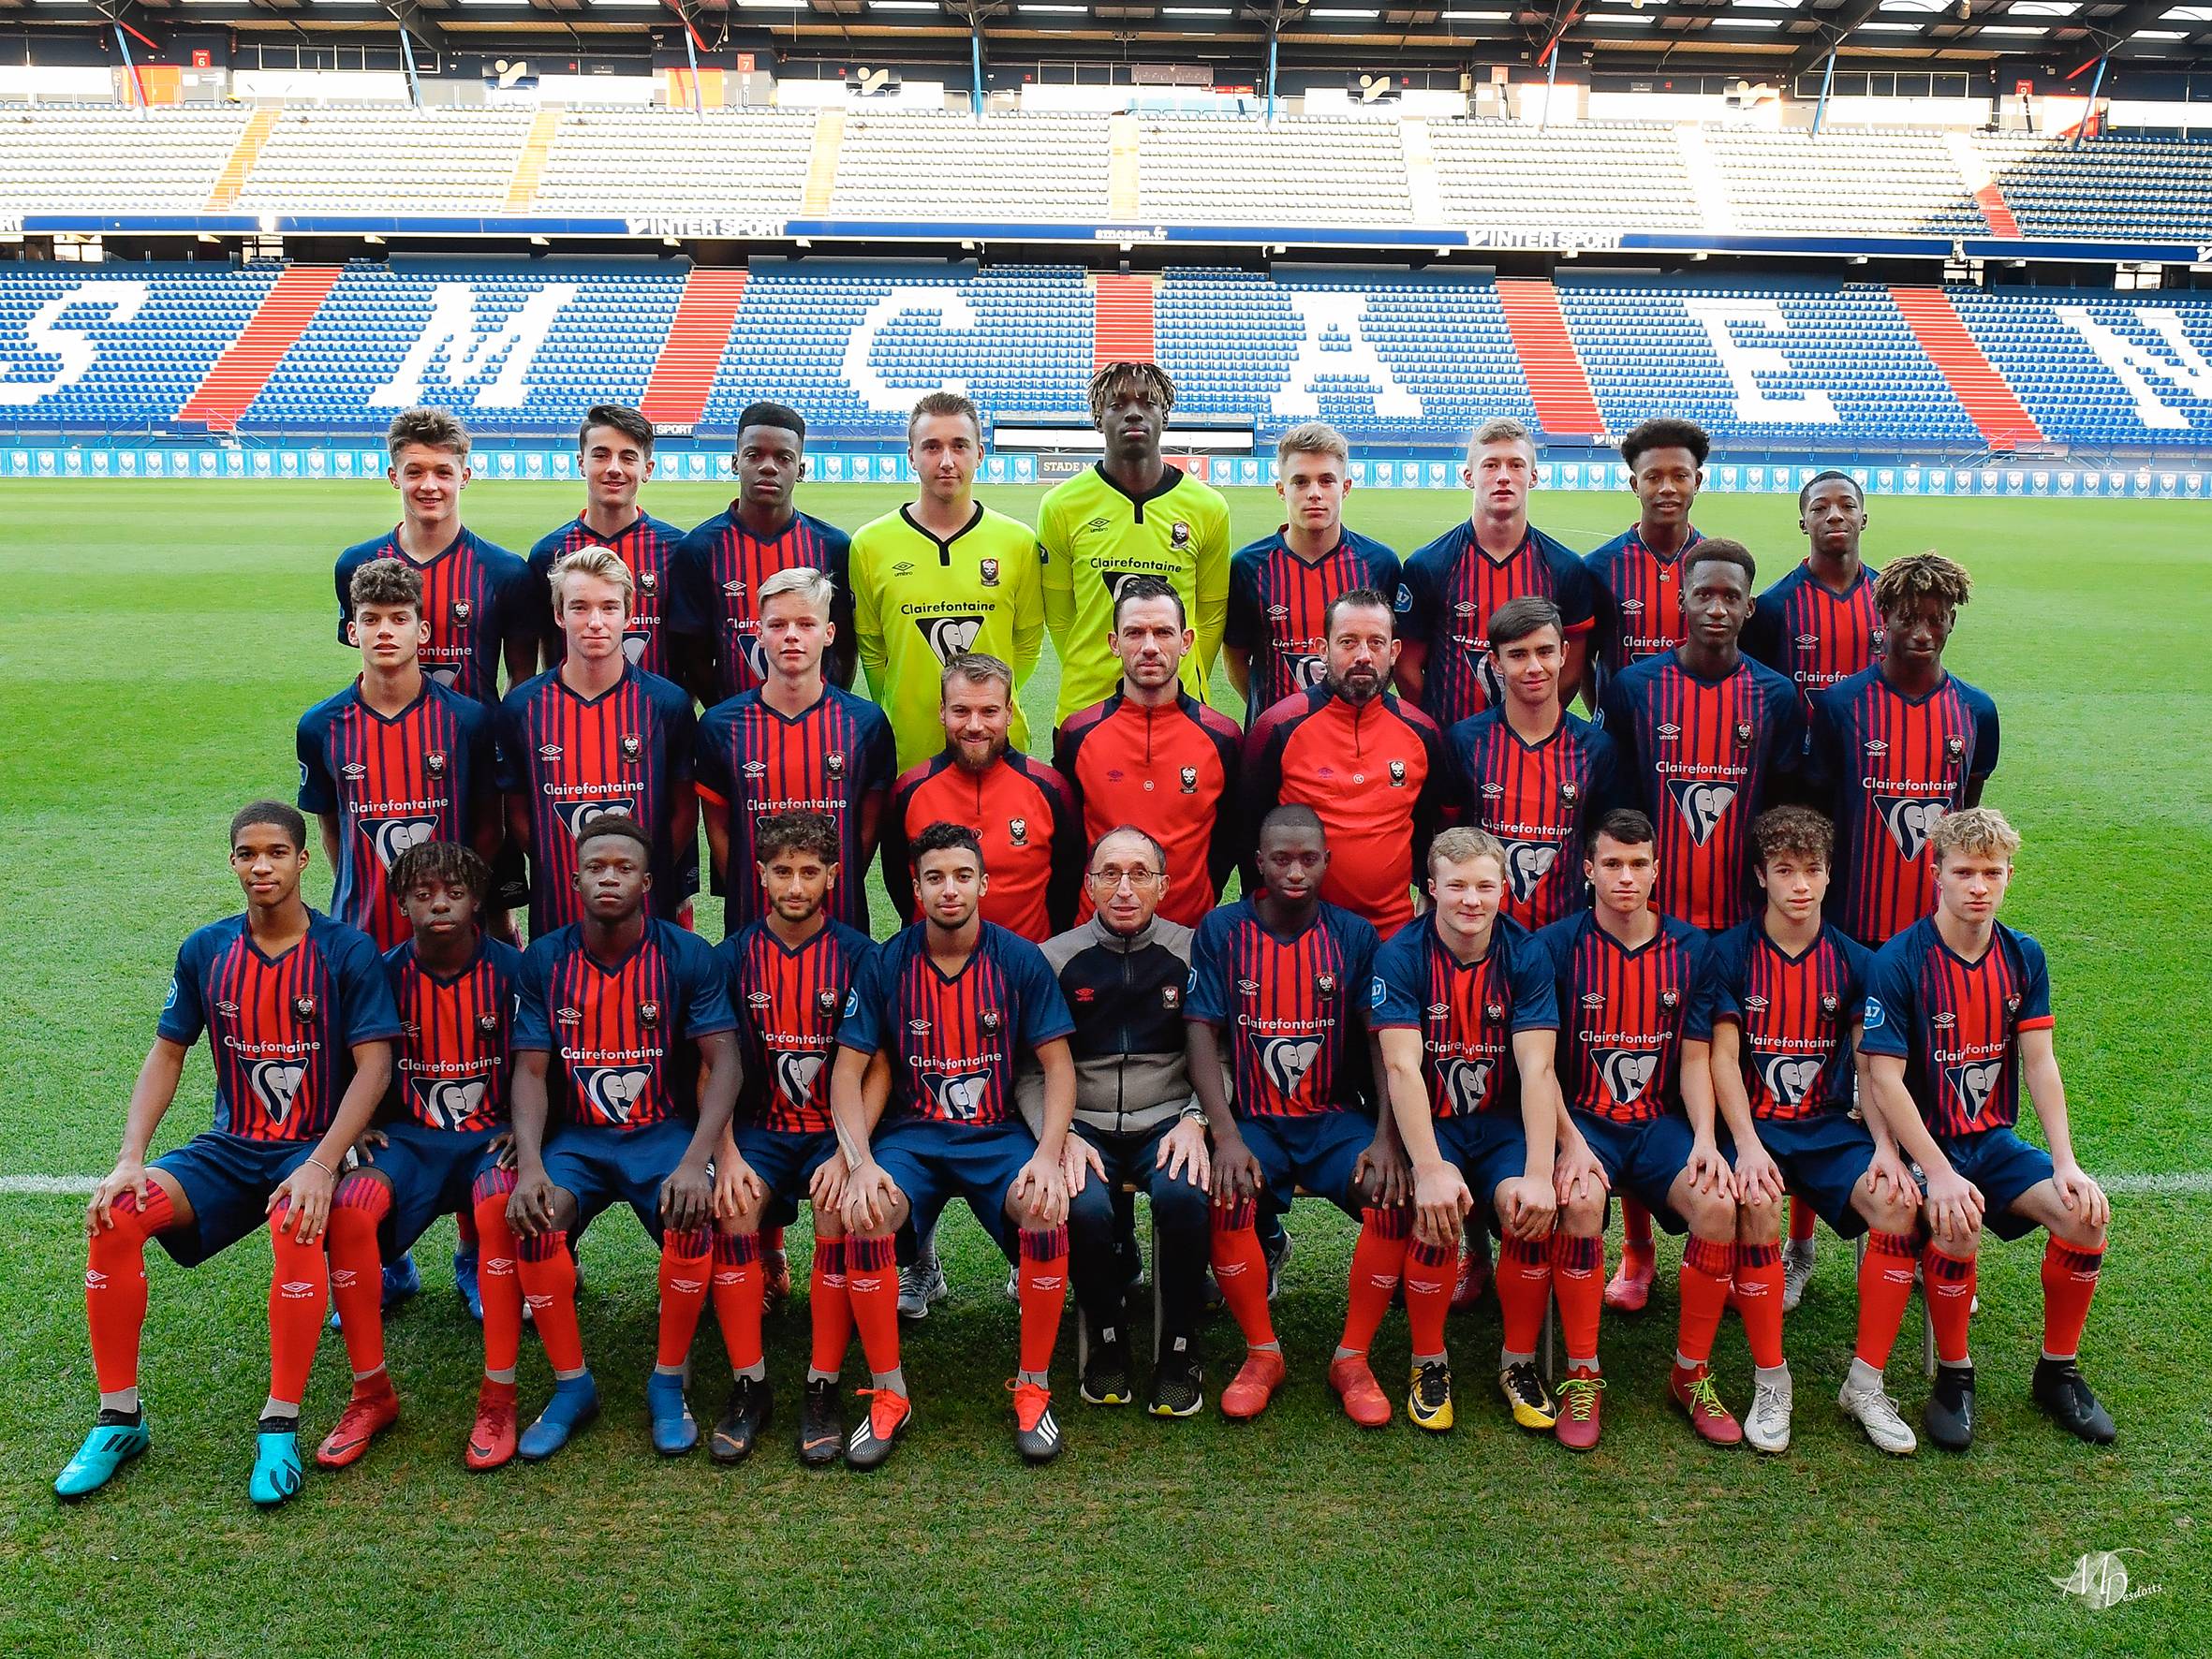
<point x="1194" y="1113"/>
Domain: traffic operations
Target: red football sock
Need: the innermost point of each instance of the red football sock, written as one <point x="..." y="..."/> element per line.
<point x="1947" y="1283"/>
<point x="686" y="1266"/>
<point x="1707" y="1270"/>
<point x="1801" y="1217"/>
<point x="115" y="1285"/>
<point x="1577" y="1282"/>
<point x="2069" y="1280"/>
<point x="465" y="1228"/>
<point x="872" y="1282"/>
<point x="1636" y="1230"/>
<point x="829" y="1307"/>
<point x="1759" y="1300"/>
<point x="496" y="1270"/>
<point x="1430" y="1272"/>
<point x="772" y="1241"/>
<point x="548" y="1273"/>
<point x="299" y="1293"/>
<point x="1239" y="1267"/>
<point x="1377" y="1263"/>
<point x="740" y="1295"/>
<point x="1524" y="1287"/>
<point x="358" y="1207"/>
<point x="1043" y="1287"/>
<point x="1885" y="1285"/>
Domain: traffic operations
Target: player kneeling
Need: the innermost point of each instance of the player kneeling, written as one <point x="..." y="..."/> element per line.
<point x="616" y="1014"/>
<point x="1958" y="1015"/>
<point x="441" y="1149"/>
<point x="945" y="1007"/>
<point x="790" y="972"/>
<point x="300" y="1023"/>
<point x="1637" y="1079"/>
<point x="1785" y="991"/>
<point x="1466" y="1018"/>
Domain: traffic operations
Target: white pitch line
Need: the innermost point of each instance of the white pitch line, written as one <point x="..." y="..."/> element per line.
<point x="2191" y="1184"/>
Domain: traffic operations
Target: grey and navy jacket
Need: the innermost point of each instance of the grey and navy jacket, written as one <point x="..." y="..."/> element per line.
<point x="1132" y="1069"/>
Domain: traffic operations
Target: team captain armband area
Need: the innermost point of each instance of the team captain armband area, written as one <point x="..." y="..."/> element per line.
<point x="165" y="638"/>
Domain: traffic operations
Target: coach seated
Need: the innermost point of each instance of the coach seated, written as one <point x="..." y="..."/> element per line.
<point x="1137" y="1122"/>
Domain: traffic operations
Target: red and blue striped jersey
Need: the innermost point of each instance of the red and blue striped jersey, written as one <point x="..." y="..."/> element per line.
<point x="1466" y="1013"/>
<point x="451" y="1071"/>
<point x="1957" y="1024"/>
<point x="474" y="598"/>
<point x="576" y="757"/>
<point x="1277" y="601"/>
<point x="1637" y="597"/>
<point x="1795" y="1013"/>
<point x="1624" y="1014"/>
<point x="623" y="1035"/>
<point x="1805" y="630"/>
<point x="753" y="761"/>
<point x="1537" y="798"/>
<point x="1704" y="759"/>
<point x="955" y="1040"/>
<point x="1449" y="593"/>
<point x="1894" y="764"/>
<point x="1284" y="1007"/>
<point x="716" y="575"/>
<point x="789" y="1003"/>
<point x="421" y="776"/>
<point x="281" y="1028"/>
<point x="645" y="547"/>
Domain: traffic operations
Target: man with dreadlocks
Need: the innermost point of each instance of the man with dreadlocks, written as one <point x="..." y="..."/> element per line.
<point x="1902" y="743"/>
<point x="1130" y="515"/>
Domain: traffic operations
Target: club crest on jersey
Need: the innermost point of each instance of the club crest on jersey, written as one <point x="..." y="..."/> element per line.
<point x="448" y="1103"/>
<point x="487" y="1024"/>
<point x="463" y="610"/>
<point x="1527" y="863"/>
<point x="303" y="1007"/>
<point x="1467" y="1085"/>
<point x="1397" y="775"/>
<point x="436" y="761"/>
<point x="276" y="1085"/>
<point x="1956" y="748"/>
<point x="1568" y="792"/>
<point x="1790" y="1077"/>
<point x="577" y="814"/>
<point x="649" y="1012"/>
<point x="1626" y="1073"/>
<point x="1973" y="1083"/>
<point x="825" y="1002"/>
<point x="1324" y="985"/>
<point x="1178" y="535"/>
<point x="2012" y="1005"/>
<point x="958" y="1095"/>
<point x="1909" y="818"/>
<point x="1189" y="779"/>
<point x="612" y="1091"/>
<point x="834" y="763"/>
<point x="390" y="837"/>
<point x="1702" y="804"/>
<point x="988" y="1020"/>
<point x="1494" y="1012"/>
<point x="1743" y="733"/>
<point x="1830" y="1004"/>
<point x="950" y="635"/>
<point x="795" y="1075"/>
<point x="1670" y="999"/>
<point x="631" y="747"/>
<point x="988" y="570"/>
<point x="1285" y="1060"/>
<point x="1017" y="831"/>
<point x="1170" y="997"/>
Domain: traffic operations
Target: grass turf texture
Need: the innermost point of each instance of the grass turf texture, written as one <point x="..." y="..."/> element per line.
<point x="165" y="638"/>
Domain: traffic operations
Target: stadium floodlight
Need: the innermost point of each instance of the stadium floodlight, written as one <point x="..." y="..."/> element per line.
<point x="902" y="5"/>
<point x="1063" y="10"/>
<point x="772" y="4"/>
<point x="1620" y="19"/>
<point x="628" y="4"/>
<point x="1197" y="11"/>
<point x="1346" y="13"/>
<point x="2160" y="34"/>
<point x="2043" y="8"/>
<point x="1890" y="28"/>
<point x="2029" y="30"/>
<point x="1478" y="17"/>
<point x="1747" y="23"/>
<point x="2180" y="14"/>
<point x="497" y="5"/>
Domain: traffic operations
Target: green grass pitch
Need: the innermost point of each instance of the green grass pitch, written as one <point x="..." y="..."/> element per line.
<point x="159" y="642"/>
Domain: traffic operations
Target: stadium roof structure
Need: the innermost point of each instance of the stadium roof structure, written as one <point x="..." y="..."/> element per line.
<point x="1772" y="39"/>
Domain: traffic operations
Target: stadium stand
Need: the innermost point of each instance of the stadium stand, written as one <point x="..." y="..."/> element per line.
<point x="958" y="167"/>
<point x="1349" y="171"/>
<point x="1879" y="183"/>
<point x="113" y="161"/>
<point x="1621" y="175"/>
<point x="2142" y="187"/>
<point x="2063" y="352"/>
<point x="674" y="161"/>
<point x="370" y="158"/>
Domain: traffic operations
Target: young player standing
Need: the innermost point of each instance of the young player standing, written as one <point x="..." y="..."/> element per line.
<point x="615" y="455"/>
<point x="1820" y="624"/>
<point x="1958" y="1016"/>
<point x="1635" y="582"/>
<point x="299" y="1024"/>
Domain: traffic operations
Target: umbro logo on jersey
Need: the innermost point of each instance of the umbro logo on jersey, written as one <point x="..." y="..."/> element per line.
<point x="1465" y="608"/>
<point x="1467" y="1084"/>
<point x="1668" y="732"/>
<point x="734" y="589"/>
<point x="1279" y="613"/>
<point x="904" y="567"/>
<point x="569" y="1016"/>
<point x="1436" y="1010"/>
<point x="1285" y="1060"/>
<point x="1248" y="986"/>
<point x="390" y="837"/>
<point x="795" y="1075"/>
<point x="276" y="1085"/>
<point x="1877" y="747"/>
<point x="918" y="1027"/>
<point x="612" y="1091"/>
<point x="549" y="751"/>
<point x="1943" y="1020"/>
<point x="1790" y="1077"/>
<point x="1808" y="640"/>
<point x="1593" y="999"/>
<point x="1632" y="607"/>
<point x="1098" y="523"/>
<point x="759" y="999"/>
<point x="1703" y="805"/>
<point x="950" y="635"/>
<point x="1973" y="1083"/>
<point x="1625" y="1073"/>
<point x="354" y="769"/>
<point x="754" y="768"/>
<point x="1909" y="818"/>
<point x="1493" y="791"/>
<point x="1527" y="863"/>
<point x="448" y="1103"/>
<point x="1755" y="1005"/>
<point x="228" y="1009"/>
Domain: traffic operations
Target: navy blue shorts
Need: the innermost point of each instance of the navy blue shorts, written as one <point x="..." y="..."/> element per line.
<point x="934" y="1163"/>
<point x="1490" y="1148"/>
<point x="1824" y="1157"/>
<point x="2003" y="1165"/>
<point x="1316" y="1151"/>
<point x="1640" y="1159"/>
<point x="785" y="1160"/>
<point x="595" y="1164"/>
<point x="227" y="1180"/>
<point x="431" y="1171"/>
